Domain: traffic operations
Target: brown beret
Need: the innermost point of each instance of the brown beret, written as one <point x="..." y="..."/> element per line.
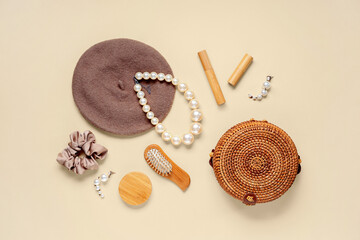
<point x="103" y="86"/>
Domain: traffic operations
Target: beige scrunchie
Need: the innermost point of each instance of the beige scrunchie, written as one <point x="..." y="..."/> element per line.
<point x="82" y="143"/>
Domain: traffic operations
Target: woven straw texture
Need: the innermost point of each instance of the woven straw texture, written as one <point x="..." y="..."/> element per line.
<point x="256" y="161"/>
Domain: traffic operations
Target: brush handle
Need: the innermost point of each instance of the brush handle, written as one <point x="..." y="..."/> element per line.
<point x="179" y="177"/>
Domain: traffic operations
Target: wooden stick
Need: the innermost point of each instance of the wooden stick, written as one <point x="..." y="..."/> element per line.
<point x="240" y="69"/>
<point x="211" y="77"/>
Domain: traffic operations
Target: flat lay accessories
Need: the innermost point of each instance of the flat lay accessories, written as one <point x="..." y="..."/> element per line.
<point x="211" y="77"/>
<point x="164" y="166"/>
<point x="102" y="86"/>
<point x="255" y="162"/>
<point x="82" y="153"/>
<point x="196" y="114"/>
<point x="103" y="178"/>
<point x="240" y="70"/>
<point x="265" y="90"/>
<point x="135" y="188"/>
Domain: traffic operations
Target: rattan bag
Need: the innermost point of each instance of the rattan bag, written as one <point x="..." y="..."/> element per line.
<point x="255" y="162"/>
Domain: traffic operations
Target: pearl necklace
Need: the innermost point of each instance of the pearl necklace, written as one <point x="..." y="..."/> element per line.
<point x="196" y="114"/>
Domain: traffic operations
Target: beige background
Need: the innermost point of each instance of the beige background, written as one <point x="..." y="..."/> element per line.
<point x="311" y="47"/>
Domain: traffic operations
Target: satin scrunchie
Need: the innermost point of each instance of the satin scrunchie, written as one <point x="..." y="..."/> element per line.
<point x="81" y="153"/>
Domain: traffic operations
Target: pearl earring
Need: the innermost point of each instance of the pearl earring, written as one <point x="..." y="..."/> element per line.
<point x="103" y="178"/>
<point x="265" y="90"/>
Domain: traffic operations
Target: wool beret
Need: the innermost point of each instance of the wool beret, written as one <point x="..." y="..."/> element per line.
<point x="103" y="83"/>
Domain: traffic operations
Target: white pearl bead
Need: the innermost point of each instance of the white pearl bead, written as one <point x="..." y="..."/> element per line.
<point x="104" y="177"/>
<point x="175" y="81"/>
<point x="266" y="85"/>
<point x="99" y="192"/>
<point x="196" y="115"/>
<point x="154" y="121"/>
<point x="140" y="94"/>
<point x="168" y="77"/>
<point x="150" y="115"/>
<point x="189" y="95"/>
<point x="196" y="128"/>
<point x="175" y="140"/>
<point x="146" y="75"/>
<point x="166" y="136"/>
<point x="138" y="75"/>
<point x="137" y="87"/>
<point x="96" y="182"/>
<point x="259" y="97"/>
<point x="153" y="75"/>
<point x="146" y="108"/>
<point x="182" y="87"/>
<point x="194" y="104"/>
<point x="159" y="128"/>
<point x="142" y="101"/>
<point x="102" y="195"/>
<point x="161" y="76"/>
<point x="188" y="139"/>
<point x="97" y="188"/>
<point x="264" y="92"/>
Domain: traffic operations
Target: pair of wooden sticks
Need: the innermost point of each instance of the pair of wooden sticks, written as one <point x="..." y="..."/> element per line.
<point x="211" y="77"/>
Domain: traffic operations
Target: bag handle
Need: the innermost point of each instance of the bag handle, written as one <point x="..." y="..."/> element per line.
<point x="211" y="158"/>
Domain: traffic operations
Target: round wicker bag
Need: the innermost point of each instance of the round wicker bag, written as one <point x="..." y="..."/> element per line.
<point x="255" y="161"/>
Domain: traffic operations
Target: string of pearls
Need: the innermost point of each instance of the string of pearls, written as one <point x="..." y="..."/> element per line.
<point x="264" y="92"/>
<point x="196" y="114"/>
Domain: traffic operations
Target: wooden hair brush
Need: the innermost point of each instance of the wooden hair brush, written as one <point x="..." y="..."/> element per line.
<point x="164" y="166"/>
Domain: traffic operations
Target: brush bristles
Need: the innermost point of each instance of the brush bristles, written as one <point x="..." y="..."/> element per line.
<point x="158" y="162"/>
